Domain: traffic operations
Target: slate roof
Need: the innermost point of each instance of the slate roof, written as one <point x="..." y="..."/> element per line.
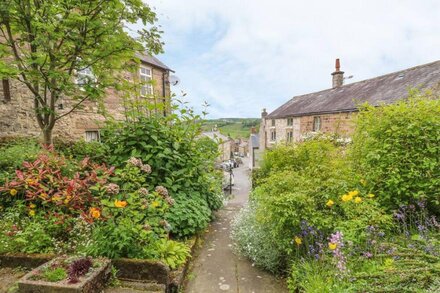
<point x="147" y="58"/>
<point x="376" y="91"/>
<point x="216" y="136"/>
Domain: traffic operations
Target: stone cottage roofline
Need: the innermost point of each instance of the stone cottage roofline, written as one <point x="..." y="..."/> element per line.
<point x="379" y="90"/>
<point x="152" y="60"/>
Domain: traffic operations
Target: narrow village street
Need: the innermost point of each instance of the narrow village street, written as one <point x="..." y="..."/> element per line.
<point x="215" y="267"/>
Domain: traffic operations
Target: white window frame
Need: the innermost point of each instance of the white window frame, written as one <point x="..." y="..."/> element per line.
<point x="289" y="121"/>
<point x="272" y="123"/>
<point x="146" y="80"/>
<point x="87" y="135"/>
<point x="317" y="123"/>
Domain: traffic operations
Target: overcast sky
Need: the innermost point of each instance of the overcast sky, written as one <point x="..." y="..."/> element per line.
<point x="244" y="55"/>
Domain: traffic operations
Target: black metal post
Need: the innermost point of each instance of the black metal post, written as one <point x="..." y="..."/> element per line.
<point x="230" y="181"/>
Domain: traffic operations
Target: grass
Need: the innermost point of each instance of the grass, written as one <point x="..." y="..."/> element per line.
<point x="233" y="127"/>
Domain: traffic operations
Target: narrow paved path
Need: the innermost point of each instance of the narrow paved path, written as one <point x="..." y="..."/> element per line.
<point x="215" y="267"/>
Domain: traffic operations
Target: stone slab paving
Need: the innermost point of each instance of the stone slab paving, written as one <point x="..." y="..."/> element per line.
<point x="9" y="278"/>
<point x="216" y="268"/>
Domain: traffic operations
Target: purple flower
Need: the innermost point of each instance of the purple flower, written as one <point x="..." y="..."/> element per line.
<point x="368" y="254"/>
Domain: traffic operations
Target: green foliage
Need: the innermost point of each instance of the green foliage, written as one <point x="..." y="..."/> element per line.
<point x="13" y="155"/>
<point x="253" y="240"/>
<point x="78" y="150"/>
<point x="20" y="234"/>
<point x="234" y="127"/>
<point x="172" y="253"/>
<point x="188" y="216"/>
<point x="180" y="161"/>
<point x="54" y="274"/>
<point x="316" y="277"/>
<point x="397" y="148"/>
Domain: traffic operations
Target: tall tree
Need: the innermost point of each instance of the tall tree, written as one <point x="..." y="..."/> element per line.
<point x="71" y="49"/>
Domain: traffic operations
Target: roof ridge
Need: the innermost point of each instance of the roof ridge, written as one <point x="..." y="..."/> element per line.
<point x="362" y="89"/>
<point x="364" y="80"/>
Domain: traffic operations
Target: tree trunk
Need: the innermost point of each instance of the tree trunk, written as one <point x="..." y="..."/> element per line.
<point x="47" y="136"/>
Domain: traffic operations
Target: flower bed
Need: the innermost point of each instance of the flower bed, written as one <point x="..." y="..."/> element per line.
<point x="356" y="217"/>
<point x="67" y="274"/>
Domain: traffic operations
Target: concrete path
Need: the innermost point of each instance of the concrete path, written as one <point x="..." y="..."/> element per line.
<point x="215" y="267"/>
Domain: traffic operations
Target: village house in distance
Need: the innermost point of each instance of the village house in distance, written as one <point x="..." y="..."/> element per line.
<point x="17" y="116"/>
<point x="332" y="110"/>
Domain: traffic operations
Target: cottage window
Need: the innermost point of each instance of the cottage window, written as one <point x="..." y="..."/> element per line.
<point x="273" y="135"/>
<point x="6" y="90"/>
<point x="289" y="121"/>
<point x="316" y="124"/>
<point x="289" y="136"/>
<point x="273" y="122"/>
<point x="146" y="75"/>
<point x="92" y="135"/>
<point x="84" y="76"/>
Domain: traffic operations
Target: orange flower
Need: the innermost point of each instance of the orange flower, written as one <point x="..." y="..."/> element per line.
<point x="95" y="213"/>
<point x="120" y="203"/>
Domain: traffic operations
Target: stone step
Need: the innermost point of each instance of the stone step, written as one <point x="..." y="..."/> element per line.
<point x="137" y="287"/>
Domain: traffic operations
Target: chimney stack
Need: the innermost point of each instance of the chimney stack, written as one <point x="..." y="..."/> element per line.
<point x="338" y="75"/>
<point x="263" y="113"/>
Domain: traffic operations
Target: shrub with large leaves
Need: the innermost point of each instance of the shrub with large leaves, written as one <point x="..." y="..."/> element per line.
<point x="397" y="148"/>
<point x="180" y="160"/>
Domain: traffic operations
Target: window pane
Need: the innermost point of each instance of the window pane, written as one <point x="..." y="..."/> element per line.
<point x="92" y="135"/>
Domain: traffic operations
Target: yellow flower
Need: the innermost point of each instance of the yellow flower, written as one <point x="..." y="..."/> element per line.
<point x="330" y="203"/>
<point x="30" y="181"/>
<point x="363" y="182"/>
<point x="43" y="195"/>
<point x="95" y="213"/>
<point x="357" y="199"/>
<point x="155" y="204"/>
<point x="32" y="206"/>
<point x="298" y="240"/>
<point x="354" y="193"/>
<point x="13" y="191"/>
<point x="120" y="203"/>
<point x="347" y="197"/>
<point x="32" y="213"/>
<point x="370" y="195"/>
<point x="332" y="245"/>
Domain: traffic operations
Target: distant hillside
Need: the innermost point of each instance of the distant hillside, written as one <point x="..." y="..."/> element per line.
<point x="234" y="127"/>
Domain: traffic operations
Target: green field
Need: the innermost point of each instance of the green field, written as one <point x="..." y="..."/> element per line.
<point x="233" y="127"/>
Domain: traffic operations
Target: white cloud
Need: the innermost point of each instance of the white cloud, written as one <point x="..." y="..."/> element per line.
<point x="242" y="56"/>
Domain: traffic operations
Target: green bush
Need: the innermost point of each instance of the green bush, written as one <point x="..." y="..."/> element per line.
<point x="13" y="154"/>
<point x="397" y="149"/>
<point x="181" y="161"/>
<point x="254" y="241"/>
<point x="188" y="215"/>
<point x="78" y="150"/>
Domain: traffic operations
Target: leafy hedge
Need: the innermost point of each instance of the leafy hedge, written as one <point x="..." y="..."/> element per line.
<point x="181" y="161"/>
<point x="397" y="149"/>
<point x="350" y="217"/>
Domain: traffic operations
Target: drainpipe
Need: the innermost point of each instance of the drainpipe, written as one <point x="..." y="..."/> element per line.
<point x="164" y="92"/>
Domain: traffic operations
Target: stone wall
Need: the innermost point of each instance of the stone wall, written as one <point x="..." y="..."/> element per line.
<point x="340" y="123"/>
<point x="17" y="115"/>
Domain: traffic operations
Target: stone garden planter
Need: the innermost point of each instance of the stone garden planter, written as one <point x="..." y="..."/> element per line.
<point x="93" y="281"/>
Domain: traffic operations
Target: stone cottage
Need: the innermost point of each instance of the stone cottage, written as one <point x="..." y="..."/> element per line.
<point x="225" y="144"/>
<point x="332" y="110"/>
<point x="17" y="114"/>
